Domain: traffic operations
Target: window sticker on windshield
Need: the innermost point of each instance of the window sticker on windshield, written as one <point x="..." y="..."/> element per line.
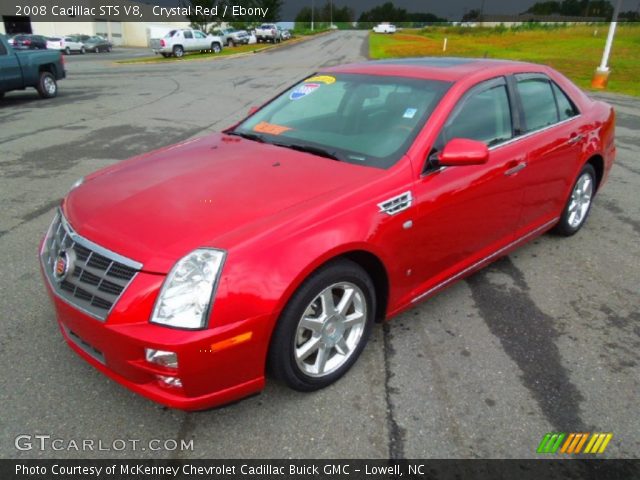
<point x="303" y="90"/>
<point x="410" y="113"/>
<point x="327" y="79"/>
<point x="270" y="128"/>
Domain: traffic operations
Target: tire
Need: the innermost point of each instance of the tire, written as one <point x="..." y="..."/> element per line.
<point x="311" y="347"/>
<point x="579" y="204"/>
<point x="82" y="50"/>
<point x="231" y="43"/>
<point x="67" y="51"/>
<point x="47" y="86"/>
<point x="178" y="51"/>
<point x="216" y="47"/>
<point x="108" y="49"/>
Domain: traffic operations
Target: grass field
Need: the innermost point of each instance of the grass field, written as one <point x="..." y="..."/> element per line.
<point x="575" y="51"/>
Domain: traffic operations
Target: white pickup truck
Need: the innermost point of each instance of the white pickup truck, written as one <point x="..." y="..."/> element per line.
<point x="178" y="42"/>
<point x="268" y="32"/>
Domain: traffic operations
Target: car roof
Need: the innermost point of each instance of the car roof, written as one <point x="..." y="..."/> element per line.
<point x="437" y="68"/>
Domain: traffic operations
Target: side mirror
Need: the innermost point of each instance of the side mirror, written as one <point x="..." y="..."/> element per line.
<point x="253" y="110"/>
<point x="462" y="151"/>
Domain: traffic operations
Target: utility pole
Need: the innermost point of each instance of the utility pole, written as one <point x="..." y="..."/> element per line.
<point x="601" y="76"/>
<point x="312" y="9"/>
<point x="330" y="13"/>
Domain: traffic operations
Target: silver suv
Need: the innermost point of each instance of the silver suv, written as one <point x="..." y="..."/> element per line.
<point x="178" y="42"/>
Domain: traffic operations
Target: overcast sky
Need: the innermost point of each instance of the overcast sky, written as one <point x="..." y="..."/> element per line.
<point x="451" y="9"/>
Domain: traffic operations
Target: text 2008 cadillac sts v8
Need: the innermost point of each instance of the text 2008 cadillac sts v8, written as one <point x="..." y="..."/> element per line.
<point x="184" y="273"/>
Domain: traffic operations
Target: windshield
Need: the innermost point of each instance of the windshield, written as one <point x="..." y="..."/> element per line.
<point x="364" y="119"/>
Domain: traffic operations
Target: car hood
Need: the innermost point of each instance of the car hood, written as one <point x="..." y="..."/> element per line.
<point x="159" y="206"/>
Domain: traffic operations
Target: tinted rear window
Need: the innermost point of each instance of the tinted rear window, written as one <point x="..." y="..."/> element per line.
<point x="538" y="103"/>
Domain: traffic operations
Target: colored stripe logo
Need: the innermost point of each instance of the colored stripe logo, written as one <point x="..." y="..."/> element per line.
<point x="573" y="443"/>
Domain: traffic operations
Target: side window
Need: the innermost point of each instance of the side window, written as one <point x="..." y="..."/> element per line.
<point x="484" y="116"/>
<point x="188" y="34"/>
<point x="538" y="103"/>
<point x="200" y="34"/>
<point x="566" y="108"/>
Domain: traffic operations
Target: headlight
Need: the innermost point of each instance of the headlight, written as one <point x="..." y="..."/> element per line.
<point x="186" y="296"/>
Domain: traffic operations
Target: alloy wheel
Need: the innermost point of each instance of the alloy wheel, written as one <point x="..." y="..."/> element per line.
<point x="330" y="329"/>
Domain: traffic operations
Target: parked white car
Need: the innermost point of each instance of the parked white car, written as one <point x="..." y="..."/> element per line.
<point x="178" y="42"/>
<point x="65" y="44"/>
<point x="384" y="28"/>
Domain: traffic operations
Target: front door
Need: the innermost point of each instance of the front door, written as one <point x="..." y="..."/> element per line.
<point x="468" y="213"/>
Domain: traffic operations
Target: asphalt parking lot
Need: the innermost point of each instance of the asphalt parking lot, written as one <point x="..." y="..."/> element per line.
<point x="547" y="339"/>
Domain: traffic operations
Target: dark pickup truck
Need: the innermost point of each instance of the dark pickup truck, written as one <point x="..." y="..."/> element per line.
<point x="40" y="69"/>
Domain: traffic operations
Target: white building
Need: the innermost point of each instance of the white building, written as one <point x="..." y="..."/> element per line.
<point x="130" y="34"/>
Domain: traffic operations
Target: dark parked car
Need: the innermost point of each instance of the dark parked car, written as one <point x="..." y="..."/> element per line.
<point x="29" y="42"/>
<point x="21" y="69"/>
<point x="96" y="44"/>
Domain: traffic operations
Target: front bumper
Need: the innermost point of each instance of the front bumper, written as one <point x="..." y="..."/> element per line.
<point x="213" y="369"/>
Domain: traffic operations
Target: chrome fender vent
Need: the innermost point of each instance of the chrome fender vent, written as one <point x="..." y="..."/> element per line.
<point x="396" y="204"/>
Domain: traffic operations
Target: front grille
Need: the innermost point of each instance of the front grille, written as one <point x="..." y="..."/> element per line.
<point x="94" y="277"/>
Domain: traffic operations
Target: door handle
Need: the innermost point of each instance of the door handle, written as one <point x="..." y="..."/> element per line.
<point x="516" y="169"/>
<point x="576" y="139"/>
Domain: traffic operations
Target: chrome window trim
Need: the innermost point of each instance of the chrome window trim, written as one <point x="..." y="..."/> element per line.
<point x="483" y="260"/>
<point x="533" y="132"/>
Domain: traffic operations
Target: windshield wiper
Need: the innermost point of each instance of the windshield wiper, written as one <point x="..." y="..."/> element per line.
<point x="310" y="149"/>
<point x="249" y="136"/>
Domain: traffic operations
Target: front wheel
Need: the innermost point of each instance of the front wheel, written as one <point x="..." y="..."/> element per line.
<point x="324" y="327"/>
<point x="231" y="43"/>
<point x="579" y="204"/>
<point x="82" y="50"/>
<point x="67" y="51"/>
<point x="47" y="86"/>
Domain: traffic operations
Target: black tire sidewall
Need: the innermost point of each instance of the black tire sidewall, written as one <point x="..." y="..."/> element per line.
<point x="281" y="360"/>
<point x="563" y="227"/>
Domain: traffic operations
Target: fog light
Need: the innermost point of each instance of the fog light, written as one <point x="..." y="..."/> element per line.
<point x="161" y="357"/>
<point x="174" y="382"/>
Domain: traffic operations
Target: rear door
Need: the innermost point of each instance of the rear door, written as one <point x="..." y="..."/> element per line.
<point x="189" y="42"/>
<point x="550" y="135"/>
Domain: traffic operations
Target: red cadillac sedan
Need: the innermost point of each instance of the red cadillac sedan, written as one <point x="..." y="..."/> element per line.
<point x="185" y="273"/>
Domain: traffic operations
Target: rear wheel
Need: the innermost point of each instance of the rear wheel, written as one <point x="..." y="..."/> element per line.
<point x="324" y="328"/>
<point x="178" y="51"/>
<point x="579" y="204"/>
<point x="231" y="43"/>
<point x="82" y="50"/>
<point x="47" y="86"/>
<point x="215" y="47"/>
